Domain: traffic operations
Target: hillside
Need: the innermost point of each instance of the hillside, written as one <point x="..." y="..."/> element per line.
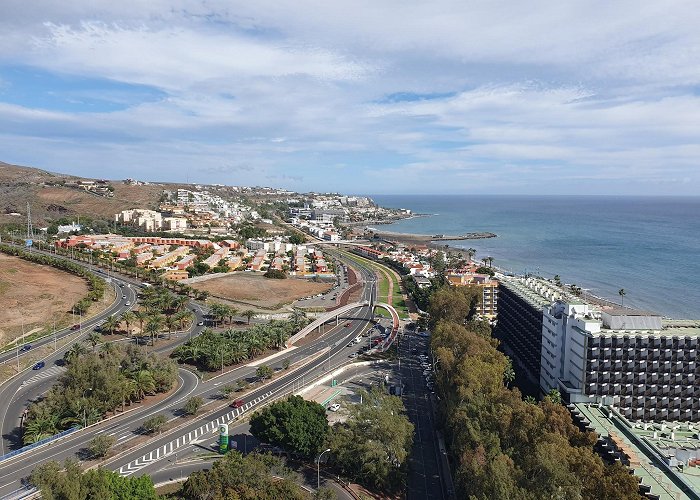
<point x="49" y="200"/>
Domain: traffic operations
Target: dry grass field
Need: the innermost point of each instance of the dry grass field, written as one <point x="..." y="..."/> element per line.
<point x="34" y="294"/>
<point x="260" y="291"/>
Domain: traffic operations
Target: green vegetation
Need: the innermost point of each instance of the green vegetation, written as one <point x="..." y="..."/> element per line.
<point x="100" y="445"/>
<point x="504" y="447"/>
<point x="96" y="383"/>
<point x="250" y="477"/>
<point x="247" y="231"/>
<point x="154" y="424"/>
<point x="264" y="372"/>
<point x="296" y="425"/>
<point x="372" y="446"/>
<point x="70" y="482"/>
<point x="210" y="350"/>
<point x="193" y="405"/>
<point x="277" y="274"/>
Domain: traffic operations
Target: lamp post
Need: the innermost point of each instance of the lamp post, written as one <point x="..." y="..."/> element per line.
<point x="85" y="408"/>
<point x="318" y="468"/>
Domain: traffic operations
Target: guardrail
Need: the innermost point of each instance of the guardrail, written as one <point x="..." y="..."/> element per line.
<point x="38" y="443"/>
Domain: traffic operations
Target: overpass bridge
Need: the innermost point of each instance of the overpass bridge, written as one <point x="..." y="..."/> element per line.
<point x="335" y="314"/>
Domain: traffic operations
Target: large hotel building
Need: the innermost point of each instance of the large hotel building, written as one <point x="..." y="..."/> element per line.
<point x="643" y="366"/>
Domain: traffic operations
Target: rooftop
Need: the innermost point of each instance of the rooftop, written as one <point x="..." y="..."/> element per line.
<point x="655" y="451"/>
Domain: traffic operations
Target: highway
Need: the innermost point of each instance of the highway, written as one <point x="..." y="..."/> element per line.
<point x="126" y="427"/>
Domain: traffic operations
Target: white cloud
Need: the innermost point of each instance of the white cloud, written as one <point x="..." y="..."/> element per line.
<point x="593" y="91"/>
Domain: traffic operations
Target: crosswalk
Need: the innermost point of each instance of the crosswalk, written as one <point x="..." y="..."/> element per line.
<point x="54" y="371"/>
<point x="189" y="438"/>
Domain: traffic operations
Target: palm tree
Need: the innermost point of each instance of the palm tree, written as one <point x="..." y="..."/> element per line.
<point x="94" y="338"/>
<point x="39" y="428"/>
<point x="170" y="324"/>
<point x="622" y="294"/>
<point x="557" y="280"/>
<point x="181" y="317"/>
<point x="249" y="314"/>
<point x="126" y="390"/>
<point x="74" y="352"/>
<point x="298" y="316"/>
<point x="108" y="349"/>
<point x="128" y="317"/>
<point x="141" y="316"/>
<point x="153" y="327"/>
<point x="144" y="383"/>
<point x="489" y="260"/>
<point x="111" y="324"/>
<point x="179" y="302"/>
<point x="471" y="253"/>
<point x="231" y="312"/>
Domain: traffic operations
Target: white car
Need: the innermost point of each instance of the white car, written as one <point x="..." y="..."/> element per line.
<point x="353" y="355"/>
<point x="425" y="365"/>
<point x="334" y="407"/>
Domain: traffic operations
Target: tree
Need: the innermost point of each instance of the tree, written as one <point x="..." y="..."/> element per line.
<point x="100" y="445"/>
<point x="69" y="481"/>
<point x="154" y="423"/>
<point x="154" y="326"/>
<point x="557" y="280"/>
<point x="297" y="425"/>
<point x="297" y="239"/>
<point x="141" y="316"/>
<point x="372" y="445"/>
<point x="128" y="318"/>
<point x="622" y="294"/>
<point x="471" y="253"/>
<point x="249" y="314"/>
<point x="94" y="338"/>
<point x="110" y="324"/>
<point x="76" y="350"/>
<point x="285" y="364"/>
<point x="228" y="390"/>
<point x="193" y="405"/>
<point x="144" y="383"/>
<point x="251" y="477"/>
<point x="264" y="372"/>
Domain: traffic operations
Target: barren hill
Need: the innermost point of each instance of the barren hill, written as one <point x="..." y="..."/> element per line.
<point x="49" y="199"/>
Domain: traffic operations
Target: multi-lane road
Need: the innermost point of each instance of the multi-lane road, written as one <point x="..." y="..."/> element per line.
<point x="126" y="427"/>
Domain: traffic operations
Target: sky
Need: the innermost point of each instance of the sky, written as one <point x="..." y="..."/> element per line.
<point x="362" y="96"/>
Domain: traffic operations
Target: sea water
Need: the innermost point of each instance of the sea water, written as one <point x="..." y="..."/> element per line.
<point x="648" y="246"/>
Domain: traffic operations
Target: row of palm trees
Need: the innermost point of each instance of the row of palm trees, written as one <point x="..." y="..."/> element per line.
<point x="220" y="312"/>
<point x="212" y="350"/>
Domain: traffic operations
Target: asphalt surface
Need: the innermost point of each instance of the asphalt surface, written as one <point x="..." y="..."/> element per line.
<point x="424" y="477"/>
<point x="127" y="426"/>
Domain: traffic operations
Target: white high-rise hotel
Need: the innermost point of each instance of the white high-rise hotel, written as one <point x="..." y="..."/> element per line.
<point x="643" y="365"/>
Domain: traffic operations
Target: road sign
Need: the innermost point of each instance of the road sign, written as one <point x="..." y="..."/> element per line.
<point x="223" y="438"/>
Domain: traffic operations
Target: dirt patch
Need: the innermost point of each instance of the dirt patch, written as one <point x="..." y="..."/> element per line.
<point x="34" y="295"/>
<point x="260" y="291"/>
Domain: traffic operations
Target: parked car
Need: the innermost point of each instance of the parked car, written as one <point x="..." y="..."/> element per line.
<point x="352" y="355"/>
<point x="39" y="365"/>
<point x="334" y="407"/>
<point x="237" y="403"/>
<point x="349" y="345"/>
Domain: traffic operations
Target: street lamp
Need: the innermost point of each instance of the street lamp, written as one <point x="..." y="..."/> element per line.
<point x="85" y="408"/>
<point x="318" y="469"/>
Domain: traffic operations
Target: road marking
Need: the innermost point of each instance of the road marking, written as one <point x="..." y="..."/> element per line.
<point x="188" y="439"/>
<point x="50" y="372"/>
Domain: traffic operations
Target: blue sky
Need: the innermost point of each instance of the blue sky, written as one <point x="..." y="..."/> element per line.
<point x="372" y="97"/>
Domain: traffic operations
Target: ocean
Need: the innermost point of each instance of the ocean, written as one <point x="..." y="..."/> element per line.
<point x="650" y="246"/>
